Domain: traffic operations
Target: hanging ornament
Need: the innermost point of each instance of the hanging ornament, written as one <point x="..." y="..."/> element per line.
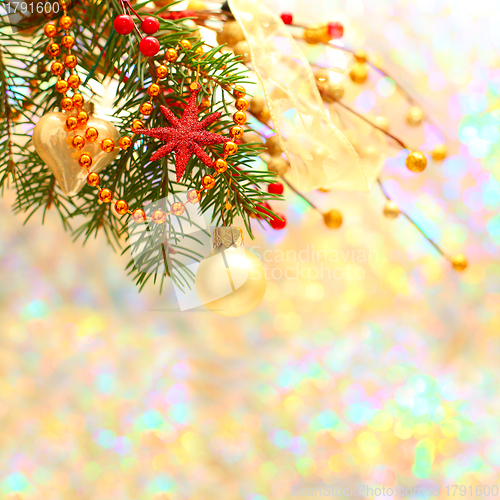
<point x="230" y="281"/>
<point x="187" y="136"/>
<point x="66" y="151"/>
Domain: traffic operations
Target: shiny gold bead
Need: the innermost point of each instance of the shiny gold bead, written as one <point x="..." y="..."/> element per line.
<point x="50" y="30"/>
<point x="66" y="104"/>
<point x="228" y="206"/>
<point x="170" y="56"/>
<point x="359" y="73"/>
<point x="278" y="165"/>
<point x="154" y="90"/>
<point x="459" y="262"/>
<point x="439" y="153"/>
<point x="53" y="49"/>
<point x="57" y="68"/>
<point x="159" y="216"/>
<point x="125" y="142"/>
<point x="236" y="132"/>
<point x="391" y="210"/>
<point x="186" y="44"/>
<point x="199" y="51"/>
<point x="106" y="195"/>
<point x="264" y="116"/>
<point x="70" y="61"/>
<point x="82" y="117"/>
<point x="78" y="100"/>
<point x="74" y="81"/>
<point x="85" y="160"/>
<point x="68" y="41"/>
<point x="71" y="122"/>
<point x="78" y="142"/>
<point x="241" y="104"/>
<point x="121" y="207"/>
<point x="313" y="36"/>
<point x="273" y="146"/>
<point x="193" y="196"/>
<point x="361" y="56"/>
<point x="333" y="219"/>
<point x="93" y="179"/>
<point x="162" y="71"/>
<point x="146" y="108"/>
<point x="257" y="105"/>
<point x="239" y="92"/>
<point x="177" y="208"/>
<point x="220" y="165"/>
<point x="137" y="125"/>
<point x="62" y="86"/>
<point x="415" y="116"/>
<point x="382" y="122"/>
<point x="240" y="118"/>
<point x="107" y="145"/>
<point x="65" y="22"/>
<point x="208" y="182"/>
<point x="91" y="134"/>
<point x="416" y="161"/>
<point x="230" y="148"/>
<point x="332" y="91"/>
<point x="139" y="215"/>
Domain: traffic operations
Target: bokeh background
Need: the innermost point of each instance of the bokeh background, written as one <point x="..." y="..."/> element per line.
<point x="390" y="379"/>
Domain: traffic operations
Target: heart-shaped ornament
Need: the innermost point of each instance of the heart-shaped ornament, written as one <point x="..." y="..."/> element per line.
<point x="52" y="141"/>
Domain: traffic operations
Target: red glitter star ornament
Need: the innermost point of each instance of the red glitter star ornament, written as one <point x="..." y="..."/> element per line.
<point x="187" y="136"/>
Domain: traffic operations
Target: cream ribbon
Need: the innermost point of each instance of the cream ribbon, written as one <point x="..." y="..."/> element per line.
<point x="319" y="153"/>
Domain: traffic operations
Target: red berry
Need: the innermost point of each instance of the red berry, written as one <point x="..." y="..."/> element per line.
<point x="287" y="18"/>
<point x="123" y="24"/>
<point x="149" y="46"/>
<point x="278" y="223"/>
<point x="335" y="30"/>
<point x="259" y="207"/>
<point x="150" y="25"/>
<point x="276" y="188"/>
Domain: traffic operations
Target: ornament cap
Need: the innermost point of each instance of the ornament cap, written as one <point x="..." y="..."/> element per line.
<point x="227" y="236"/>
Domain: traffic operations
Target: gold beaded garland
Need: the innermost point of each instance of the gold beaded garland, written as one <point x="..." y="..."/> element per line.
<point x="237" y="132"/>
<point x="91" y="134"/>
<point x="159" y="216"/>
<point x="78" y="100"/>
<point x="70" y="61"/>
<point x="65" y="22"/>
<point x="162" y="71"/>
<point x="82" y="117"/>
<point x="220" y="165"/>
<point x="241" y="104"/>
<point x="62" y="86"/>
<point x="171" y="56"/>
<point x="71" y="122"/>
<point x="50" y="30"/>
<point x="121" y="207"/>
<point x="146" y="108"/>
<point x="78" y="142"/>
<point x="208" y="182"/>
<point x="85" y="160"/>
<point x="107" y="145"/>
<point x="57" y="68"/>
<point x="68" y="42"/>
<point x="177" y="208"/>
<point x="193" y="196"/>
<point x="93" y="179"/>
<point x="154" y="90"/>
<point x="139" y="215"/>
<point x="74" y="81"/>
<point x="239" y="92"/>
<point x="125" y="142"/>
<point x="186" y="44"/>
<point x="137" y="125"/>
<point x="53" y="49"/>
<point x="230" y="148"/>
<point x="240" y="118"/>
<point x="66" y="104"/>
<point x="106" y="195"/>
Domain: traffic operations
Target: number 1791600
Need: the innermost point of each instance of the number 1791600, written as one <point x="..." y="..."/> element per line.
<point x="479" y="491"/>
<point x="33" y="8"/>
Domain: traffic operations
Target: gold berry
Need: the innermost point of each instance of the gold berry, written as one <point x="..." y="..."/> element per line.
<point x="159" y="216"/>
<point x="230" y="148"/>
<point x="264" y="116"/>
<point x="125" y="142"/>
<point x="208" y="182"/>
<point x="53" y="49"/>
<point x="236" y="132"/>
<point x="71" y="122"/>
<point x="220" y="165"/>
<point x="68" y="41"/>
<point x="391" y="210"/>
<point x="78" y="100"/>
<point x="146" y="108"/>
<point x="239" y="92"/>
<point x="85" y="160"/>
<point x="439" y="153"/>
<point x="82" y="117"/>
<point x="459" y="262"/>
<point x="62" y="86"/>
<point x="106" y="195"/>
<point x="242" y="104"/>
<point x="361" y="56"/>
<point x="50" y="30"/>
<point x="74" y="81"/>
<point x="162" y="71"/>
<point x="333" y="219"/>
<point x="57" y="68"/>
<point x="137" y="125"/>
<point x="278" y="165"/>
<point x="177" y="208"/>
<point x="107" y="145"/>
<point x="78" y="142"/>
<point x="359" y="73"/>
<point x="257" y="105"/>
<point x="65" y="22"/>
<point x="139" y="215"/>
<point x="121" y="207"/>
<point x="416" y="161"/>
<point x="415" y="116"/>
<point x="91" y="134"/>
<point x="186" y="44"/>
<point x="154" y="90"/>
<point x="93" y="179"/>
<point x="66" y="104"/>
<point x="170" y="56"/>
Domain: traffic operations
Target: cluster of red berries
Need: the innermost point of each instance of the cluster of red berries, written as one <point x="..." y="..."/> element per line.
<point x="335" y="29"/>
<point x="149" y="45"/>
<point x="278" y="222"/>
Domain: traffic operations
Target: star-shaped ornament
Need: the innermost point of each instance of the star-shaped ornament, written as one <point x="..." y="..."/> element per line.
<point x="187" y="136"/>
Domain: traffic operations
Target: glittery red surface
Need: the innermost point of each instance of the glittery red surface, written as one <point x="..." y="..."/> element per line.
<point x="187" y="136"/>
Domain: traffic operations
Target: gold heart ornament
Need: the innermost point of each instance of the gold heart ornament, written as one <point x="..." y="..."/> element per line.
<point x="52" y="141"/>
